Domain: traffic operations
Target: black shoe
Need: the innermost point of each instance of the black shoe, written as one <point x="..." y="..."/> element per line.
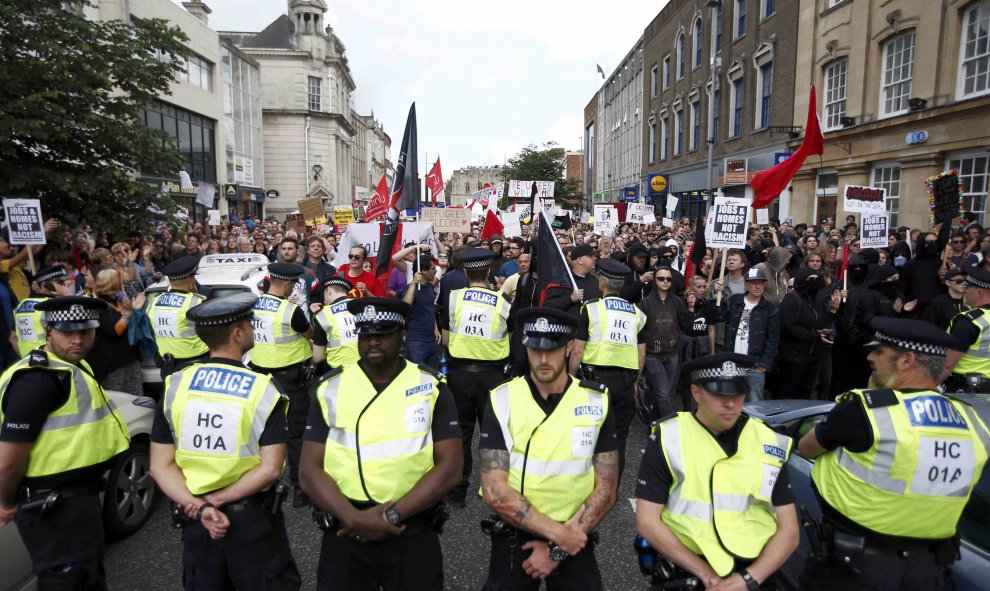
<point x="300" y="499"/>
<point x="455" y="500"/>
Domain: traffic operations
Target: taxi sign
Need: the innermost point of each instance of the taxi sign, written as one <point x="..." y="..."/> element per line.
<point x="216" y="260"/>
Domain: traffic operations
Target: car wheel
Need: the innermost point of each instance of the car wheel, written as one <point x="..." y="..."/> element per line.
<point x="130" y="493"/>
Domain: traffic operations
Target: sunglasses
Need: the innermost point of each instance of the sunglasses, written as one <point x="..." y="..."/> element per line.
<point x="958" y="281"/>
<point x="355" y="257"/>
<point x="665" y="279"/>
<point x="958" y="242"/>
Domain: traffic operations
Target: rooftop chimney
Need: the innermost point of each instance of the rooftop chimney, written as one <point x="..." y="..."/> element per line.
<point x="198" y="10"/>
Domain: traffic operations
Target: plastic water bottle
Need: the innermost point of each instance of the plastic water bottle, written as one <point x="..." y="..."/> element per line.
<point x="646" y="556"/>
<point x="443" y="364"/>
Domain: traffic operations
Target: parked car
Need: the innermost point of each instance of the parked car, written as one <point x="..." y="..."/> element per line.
<point x="128" y="496"/>
<point x="795" y="418"/>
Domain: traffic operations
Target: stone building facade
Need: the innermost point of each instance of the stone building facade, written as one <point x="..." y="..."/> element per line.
<point x="464" y="182"/>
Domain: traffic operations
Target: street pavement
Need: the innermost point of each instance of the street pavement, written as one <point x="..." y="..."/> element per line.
<point x="151" y="560"/>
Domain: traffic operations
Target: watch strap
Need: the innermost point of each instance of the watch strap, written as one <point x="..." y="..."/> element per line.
<point x="751" y="583"/>
<point x="203" y="507"/>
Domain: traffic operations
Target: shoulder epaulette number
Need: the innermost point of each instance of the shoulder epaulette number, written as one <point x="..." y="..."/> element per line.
<point x="879" y="398"/>
<point x="592" y="385"/>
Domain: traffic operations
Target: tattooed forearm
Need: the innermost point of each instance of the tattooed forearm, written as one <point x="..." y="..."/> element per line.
<point x="494" y="459"/>
<point x="603" y="496"/>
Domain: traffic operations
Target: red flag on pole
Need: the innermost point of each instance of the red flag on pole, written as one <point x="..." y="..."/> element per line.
<point x="379" y="202"/>
<point x="769" y="183"/>
<point x="493" y="225"/>
<point x="434" y="181"/>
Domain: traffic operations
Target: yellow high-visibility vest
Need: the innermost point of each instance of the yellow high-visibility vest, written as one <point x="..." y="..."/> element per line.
<point x="478" y="324"/>
<point x="275" y="343"/>
<point x="613" y="328"/>
<point x="338" y="324"/>
<point x="174" y="334"/>
<point x="30" y="330"/>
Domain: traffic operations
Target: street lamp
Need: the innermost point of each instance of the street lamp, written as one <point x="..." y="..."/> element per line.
<point x="713" y="6"/>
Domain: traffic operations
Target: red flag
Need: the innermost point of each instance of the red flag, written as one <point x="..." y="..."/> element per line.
<point x="379" y="202"/>
<point x="493" y="225"/>
<point x="769" y="183"/>
<point x="699" y="249"/>
<point x="434" y="181"/>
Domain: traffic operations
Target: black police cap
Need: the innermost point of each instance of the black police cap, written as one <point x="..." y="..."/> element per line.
<point x="285" y="271"/>
<point x="223" y="311"/>
<point x="722" y="374"/>
<point x="910" y="335"/>
<point x="53" y="273"/>
<point x="378" y="315"/>
<point x="181" y="268"/>
<point x="476" y="258"/>
<point x="612" y="269"/>
<point x="978" y="277"/>
<point x="71" y="313"/>
<point x="546" y="328"/>
<point x="339" y="281"/>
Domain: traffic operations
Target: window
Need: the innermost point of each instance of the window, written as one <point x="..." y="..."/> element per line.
<point x="192" y="134"/>
<point x="898" y="69"/>
<point x="740" y="18"/>
<point x="718" y="28"/>
<point x="832" y="3"/>
<point x="736" y="99"/>
<point x="695" y="140"/>
<point x="889" y="177"/>
<point x="973" y="175"/>
<point x="664" y="137"/>
<point x="681" y="47"/>
<point x="767" y="8"/>
<point x="654" y="82"/>
<point x="315" y="85"/>
<point x="666" y="72"/>
<point x="716" y="107"/>
<point x="678" y="132"/>
<point x="835" y="93"/>
<point x="975" y="51"/>
<point x="764" y="82"/>
<point x="698" y="42"/>
<point x="653" y="142"/>
<point x="199" y="73"/>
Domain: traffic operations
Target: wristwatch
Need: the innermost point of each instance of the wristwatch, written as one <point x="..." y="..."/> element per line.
<point x="751" y="583"/>
<point x="392" y="515"/>
<point x="556" y="552"/>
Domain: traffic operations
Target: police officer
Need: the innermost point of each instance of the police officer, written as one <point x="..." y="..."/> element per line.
<point x="969" y="357"/>
<point x="611" y="345"/>
<point x="476" y="335"/>
<point x="48" y="283"/>
<point x="334" y="339"/>
<point x="217" y="450"/>
<point x="534" y="425"/>
<point x="381" y="450"/>
<point x="178" y="345"/>
<point x="58" y="433"/>
<point x="713" y="495"/>
<point x="896" y="465"/>
<point x="281" y="349"/>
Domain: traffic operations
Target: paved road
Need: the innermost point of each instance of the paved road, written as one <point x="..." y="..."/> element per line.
<point x="151" y="559"/>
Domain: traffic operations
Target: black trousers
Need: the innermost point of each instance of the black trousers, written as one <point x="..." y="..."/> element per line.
<point x="65" y="543"/>
<point x="505" y="571"/>
<point x="620" y="384"/>
<point x="254" y="555"/>
<point x="411" y="562"/>
<point x="471" y="388"/>
<point x="292" y="383"/>
<point x="917" y="572"/>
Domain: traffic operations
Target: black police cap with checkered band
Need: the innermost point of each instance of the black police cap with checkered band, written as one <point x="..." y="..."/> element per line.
<point x="285" y="271"/>
<point x="53" y="273"/>
<point x="71" y="313"/>
<point x="378" y="315"/>
<point x="546" y="328"/>
<point x="612" y="269"/>
<point x="223" y="311"/>
<point x="476" y="258"/>
<point x="181" y="268"/>
<point x="339" y="281"/>
<point x="722" y="374"/>
<point x="978" y="277"/>
<point x="910" y="335"/>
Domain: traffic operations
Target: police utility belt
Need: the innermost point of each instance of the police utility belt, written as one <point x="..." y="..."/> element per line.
<point x="849" y="550"/>
<point x="495" y="527"/>
<point x="433" y="518"/>
<point x="170" y="364"/>
<point x="39" y="500"/>
<point x="270" y="499"/>
<point x="595" y="372"/>
<point x="972" y="383"/>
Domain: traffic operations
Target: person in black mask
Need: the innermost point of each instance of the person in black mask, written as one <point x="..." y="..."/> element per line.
<point x="900" y="254"/>
<point x="805" y="336"/>
<point x="852" y="331"/>
<point x="920" y="276"/>
<point x="944" y="308"/>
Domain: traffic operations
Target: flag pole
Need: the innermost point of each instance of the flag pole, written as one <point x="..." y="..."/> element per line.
<point x="721" y="277"/>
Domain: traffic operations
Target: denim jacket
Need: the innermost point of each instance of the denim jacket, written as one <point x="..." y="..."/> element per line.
<point x="764" y="328"/>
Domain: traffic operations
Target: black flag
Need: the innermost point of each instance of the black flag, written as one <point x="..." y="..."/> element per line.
<point x="405" y="192"/>
<point x="552" y="268"/>
<point x="562" y="222"/>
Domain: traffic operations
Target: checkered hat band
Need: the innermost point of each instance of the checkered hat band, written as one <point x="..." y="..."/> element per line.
<point x="224" y="320"/>
<point x="73" y="314"/>
<point x="533" y="328"/>
<point x="477" y="264"/>
<point x="183" y="275"/>
<point x="282" y="277"/>
<point x="976" y="282"/>
<point x="611" y="275"/>
<point x="338" y="282"/>
<point x="926" y="348"/>
<point x="380" y="317"/>
<point x="712" y="373"/>
<point x="58" y="274"/>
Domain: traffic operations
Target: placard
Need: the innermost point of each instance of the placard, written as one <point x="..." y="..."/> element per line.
<point x="606" y="219"/>
<point x="343" y="215"/>
<point x="864" y="199"/>
<point x="762" y="216"/>
<point x="650" y="218"/>
<point x="667" y="223"/>
<point x="24" y="219"/>
<point x="520" y="189"/>
<point x="447" y="219"/>
<point x="312" y="209"/>
<point x="213" y="217"/>
<point x="204" y="193"/>
<point x="585" y="216"/>
<point x="873" y="231"/>
<point x="549" y="206"/>
<point x="635" y="212"/>
<point x="944" y="193"/>
<point x="730" y="223"/>
<point x="671" y="203"/>
<point x="511" y="225"/>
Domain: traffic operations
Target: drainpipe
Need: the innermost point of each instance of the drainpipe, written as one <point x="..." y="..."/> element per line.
<point x="306" y="172"/>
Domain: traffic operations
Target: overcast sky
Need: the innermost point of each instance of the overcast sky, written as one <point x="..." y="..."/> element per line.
<point x="488" y="78"/>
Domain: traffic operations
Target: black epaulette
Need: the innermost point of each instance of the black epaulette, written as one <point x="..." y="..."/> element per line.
<point x="433" y="372"/>
<point x="503" y="382"/>
<point x="665" y="418"/>
<point x="333" y="372"/>
<point x="592" y="385"/>
<point x="37" y="358"/>
<point x="879" y="398"/>
<point x="973" y="313"/>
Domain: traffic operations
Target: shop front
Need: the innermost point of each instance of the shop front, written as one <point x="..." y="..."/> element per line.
<point x="244" y="202"/>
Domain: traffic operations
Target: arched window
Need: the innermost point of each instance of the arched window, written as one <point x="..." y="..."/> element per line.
<point x="698" y="42"/>
<point x="681" y="48"/>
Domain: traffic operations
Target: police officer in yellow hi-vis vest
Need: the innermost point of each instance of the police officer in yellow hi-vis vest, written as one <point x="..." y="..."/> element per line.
<point x="475" y="332"/>
<point x="281" y="348"/>
<point x="967" y="362"/>
<point x="334" y="339"/>
<point x="218" y="450"/>
<point x="610" y="346"/>
<point x="178" y="345"/>
<point x="713" y="496"/>
<point x="381" y="450"/>
<point x="58" y="433"/>
<point x="896" y="465"/>
<point x="30" y="333"/>
<point x="549" y="465"/>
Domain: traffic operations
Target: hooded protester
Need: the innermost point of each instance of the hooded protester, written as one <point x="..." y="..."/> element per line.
<point x="944" y="308"/>
<point x="775" y="269"/>
<point x="666" y="258"/>
<point x="900" y="254"/>
<point x="805" y="335"/>
<point x="920" y="276"/>
<point x="640" y="280"/>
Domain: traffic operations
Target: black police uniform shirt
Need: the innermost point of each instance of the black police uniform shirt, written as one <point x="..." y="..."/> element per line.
<point x="965" y="332"/>
<point x="32" y="395"/>
<point x="583" y="333"/>
<point x="276" y="428"/>
<point x="655" y="478"/>
<point x="445" y="425"/>
<point x="491" y="431"/>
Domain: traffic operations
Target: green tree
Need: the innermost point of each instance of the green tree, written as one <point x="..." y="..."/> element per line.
<point x="546" y="163"/>
<point x="71" y="111"/>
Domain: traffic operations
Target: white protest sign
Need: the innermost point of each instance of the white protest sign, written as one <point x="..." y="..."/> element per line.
<point x="667" y="222"/>
<point x="635" y="213"/>
<point x="650" y="218"/>
<point x="520" y="189"/>
<point x="204" y="193"/>
<point x="510" y="221"/>
<point x="606" y="219"/>
<point x="366" y="235"/>
<point x="671" y="203"/>
<point x="729" y="230"/>
<point x="709" y="224"/>
<point x="873" y="231"/>
<point x="213" y="217"/>
<point x="549" y="206"/>
<point x="424" y="235"/>
<point x="864" y="199"/>
<point x="585" y="216"/>
<point x="24" y="220"/>
<point x="762" y="216"/>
